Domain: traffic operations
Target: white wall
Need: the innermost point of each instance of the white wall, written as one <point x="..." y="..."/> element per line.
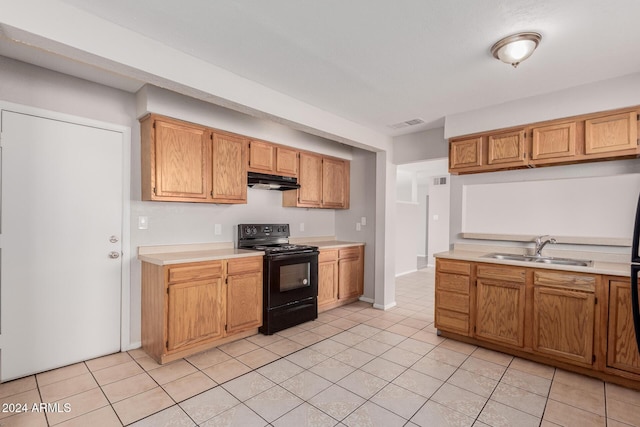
<point x="407" y="218"/>
<point x="425" y="145"/>
<point x="600" y="96"/>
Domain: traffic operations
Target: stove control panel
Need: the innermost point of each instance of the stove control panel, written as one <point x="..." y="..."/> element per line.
<point x="248" y="231"/>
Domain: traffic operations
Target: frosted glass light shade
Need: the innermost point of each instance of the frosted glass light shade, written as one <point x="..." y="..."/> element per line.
<point x="516" y="48"/>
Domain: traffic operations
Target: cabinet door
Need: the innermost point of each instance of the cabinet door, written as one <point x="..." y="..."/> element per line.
<point x="466" y="153"/>
<point x="195" y="313"/>
<point x="507" y="148"/>
<point x="553" y="142"/>
<point x="350" y="273"/>
<point x="335" y="183"/>
<point x="327" y="277"/>
<point x="611" y="133"/>
<point x="563" y="324"/>
<point x="452" y="302"/>
<point x="500" y="311"/>
<point x="286" y="162"/>
<point x="622" y="351"/>
<point x="179" y="162"/>
<point x="244" y="302"/>
<point x="229" y="169"/>
<point x="261" y="157"/>
<point x="310" y="180"/>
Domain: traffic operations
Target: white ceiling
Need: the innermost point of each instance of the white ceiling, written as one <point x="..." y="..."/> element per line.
<point x="377" y="62"/>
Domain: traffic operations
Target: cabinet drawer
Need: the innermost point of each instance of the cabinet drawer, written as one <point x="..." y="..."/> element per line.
<point x="502" y="273"/>
<point x="328" y="255"/>
<point x="453" y="301"/>
<point x="195" y="271"/>
<point x="453" y="282"/>
<point x="581" y="282"/>
<point x="452" y="321"/>
<point x="353" y="252"/>
<point x="244" y="265"/>
<point x="456" y="267"/>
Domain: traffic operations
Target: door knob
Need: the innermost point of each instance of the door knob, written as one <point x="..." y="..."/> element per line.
<point x="114" y="255"/>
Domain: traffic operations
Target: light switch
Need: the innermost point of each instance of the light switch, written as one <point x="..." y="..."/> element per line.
<point x="143" y="223"/>
<point x="436" y="217"/>
<point x="358" y="226"/>
<point x="302" y="226"/>
<point x="363" y="220"/>
<point x="217" y="229"/>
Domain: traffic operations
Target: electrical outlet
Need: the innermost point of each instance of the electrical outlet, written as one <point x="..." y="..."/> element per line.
<point x="302" y="226"/>
<point x="363" y="220"/>
<point x="217" y="229"/>
<point x="143" y="223"/>
<point x="358" y="226"/>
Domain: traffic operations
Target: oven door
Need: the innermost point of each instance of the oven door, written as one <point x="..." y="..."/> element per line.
<point x="290" y="278"/>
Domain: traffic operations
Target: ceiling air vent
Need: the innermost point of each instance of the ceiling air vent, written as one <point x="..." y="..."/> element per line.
<point x="408" y="123"/>
<point x="441" y="180"/>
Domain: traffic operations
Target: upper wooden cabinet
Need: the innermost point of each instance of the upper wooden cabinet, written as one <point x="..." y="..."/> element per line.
<point x="465" y="154"/>
<point x="184" y="162"/>
<point x="229" y="167"/>
<point x="507" y="149"/>
<point x="272" y="159"/>
<point x="324" y="183"/>
<point x="586" y="138"/>
<point x="617" y="132"/>
<point x="553" y="142"/>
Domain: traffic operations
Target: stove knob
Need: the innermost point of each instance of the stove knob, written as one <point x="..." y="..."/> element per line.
<point x="247" y="230"/>
<point x="254" y="230"/>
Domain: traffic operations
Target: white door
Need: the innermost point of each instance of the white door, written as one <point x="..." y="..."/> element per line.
<point x="61" y="204"/>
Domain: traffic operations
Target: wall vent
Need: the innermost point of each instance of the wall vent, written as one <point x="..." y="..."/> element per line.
<point x="440" y="180"/>
<point x="412" y="122"/>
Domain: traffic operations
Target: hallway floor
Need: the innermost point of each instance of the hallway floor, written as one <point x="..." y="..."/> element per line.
<point x="354" y="366"/>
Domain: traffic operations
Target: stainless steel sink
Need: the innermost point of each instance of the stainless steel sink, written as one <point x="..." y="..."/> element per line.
<point x="541" y="259"/>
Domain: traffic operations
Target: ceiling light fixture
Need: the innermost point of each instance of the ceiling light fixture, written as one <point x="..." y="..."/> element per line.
<point x="516" y="48"/>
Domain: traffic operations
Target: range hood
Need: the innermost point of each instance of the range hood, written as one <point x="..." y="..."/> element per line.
<point x="272" y="182"/>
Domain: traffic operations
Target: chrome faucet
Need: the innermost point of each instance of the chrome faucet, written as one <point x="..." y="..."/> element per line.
<point x="541" y="242"/>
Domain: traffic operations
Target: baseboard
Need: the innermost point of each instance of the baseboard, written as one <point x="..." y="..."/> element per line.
<point x="384" y="307"/>
<point x="365" y="299"/>
<point x="404" y="273"/>
<point x="133" y="346"/>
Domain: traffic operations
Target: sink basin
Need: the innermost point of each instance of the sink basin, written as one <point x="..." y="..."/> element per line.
<point x="541" y="259"/>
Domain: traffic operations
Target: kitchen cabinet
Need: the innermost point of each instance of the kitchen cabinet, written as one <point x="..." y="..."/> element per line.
<point x="340" y="276"/>
<point x="611" y="133"/>
<point x="564" y="316"/>
<point x="175" y="160"/>
<point x="453" y="296"/>
<point x="324" y="183"/>
<point x="327" y="278"/>
<point x="272" y="159"/>
<point x="465" y="154"/>
<point x="244" y="294"/>
<point x="622" y="350"/>
<point x="507" y="149"/>
<point x="556" y="141"/>
<point x="187" y="308"/>
<point x="585" y="138"/>
<point x="184" y="162"/>
<point x="500" y="304"/>
<point x="229" y="168"/>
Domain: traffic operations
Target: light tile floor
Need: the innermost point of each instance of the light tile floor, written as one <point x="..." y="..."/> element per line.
<point x="354" y="366"/>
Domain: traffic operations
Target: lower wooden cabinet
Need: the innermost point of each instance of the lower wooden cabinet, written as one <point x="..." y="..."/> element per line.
<point x="500" y="304"/>
<point x="188" y="308"/>
<point x="573" y="320"/>
<point x="622" y="350"/>
<point x="564" y="314"/>
<point x="340" y="276"/>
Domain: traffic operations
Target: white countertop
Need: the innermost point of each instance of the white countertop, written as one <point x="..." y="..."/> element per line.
<point x="182" y="254"/>
<point x="598" y="267"/>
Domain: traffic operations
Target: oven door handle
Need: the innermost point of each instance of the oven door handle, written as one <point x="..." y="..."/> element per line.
<point x="293" y="257"/>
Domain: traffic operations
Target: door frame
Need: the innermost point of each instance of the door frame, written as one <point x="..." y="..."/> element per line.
<point x="125" y="131"/>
